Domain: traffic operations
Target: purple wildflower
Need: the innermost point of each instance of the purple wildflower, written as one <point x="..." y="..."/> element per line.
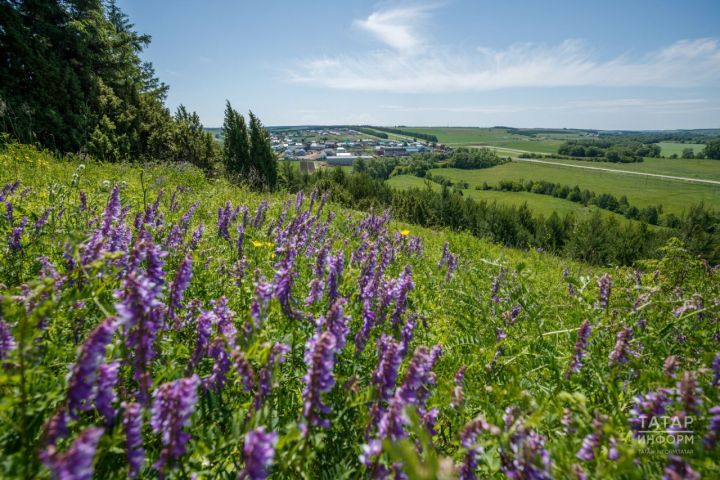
<point x="580" y="349"/>
<point x="418" y="375"/>
<point x="337" y="323"/>
<point x="320" y="358"/>
<point x="622" y="349"/>
<point x="385" y="375"/>
<point x="258" y="451"/>
<point x="407" y="333"/>
<point x="277" y="355"/>
<point x="138" y="310"/>
<point x="9" y="213"/>
<point x="645" y="409"/>
<point x="605" y="286"/>
<point x="336" y="264"/>
<point x="713" y="434"/>
<point x="15" y="238"/>
<point x="244" y="369"/>
<point x="178" y="287"/>
<point x="107" y="379"/>
<point x="670" y="366"/>
<point x="221" y="366"/>
<point x="77" y="462"/>
<point x="42" y="220"/>
<point x="83" y="376"/>
<point x="112" y="211"/>
<point x="203" y="330"/>
<point x="7" y="341"/>
<point x="225" y="320"/>
<point x="404" y="285"/>
<point x="689" y="393"/>
<point x="196" y="236"/>
<point x="716" y="370"/>
<point x="173" y="405"/>
<point x="678" y="469"/>
<point x="132" y="426"/>
<point x="457" y="393"/>
<point x="526" y="456"/>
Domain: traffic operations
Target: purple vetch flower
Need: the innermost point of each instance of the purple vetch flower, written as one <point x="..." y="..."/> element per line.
<point x="678" y="469"/>
<point x="258" y="452"/>
<point x="404" y="285"/>
<point x="469" y="434"/>
<point x="622" y="349"/>
<point x="613" y="453"/>
<point x="526" y="456"/>
<point x="178" y="287"/>
<point x="218" y="352"/>
<point x="112" y="211"/>
<point x="203" y="330"/>
<point x="590" y="443"/>
<point x="56" y="428"/>
<point x="223" y="220"/>
<point x="646" y="408"/>
<point x="107" y="379"/>
<point x="407" y="333"/>
<point x="264" y="382"/>
<point x="42" y="220"/>
<point x="225" y="320"/>
<point x="77" y="462"/>
<point x="670" y="365"/>
<point x="335" y="271"/>
<point x="320" y="358"/>
<point x="689" y="393"/>
<point x="713" y="434"/>
<point x="580" y="349"/>
<point x="418" y="376"/>
<point x="368" y="317"/>
<point x="132" y="426"/>
<point x="385" y="375"/>
<point x="445" y="255"/>
<point x="244" y="369"/>
<point x="457" y="394"/>
<point x="7" y="341"/>
<point x="83" y="201"/>
<point x="716" y="370"/>
<point x="605" y="286"/>
<point x="512" y="315"/>
<point x="9" y="213"/>
<point x="337" y="323"/>
<point x="139" y="311"/>
<point x="15" y="237"/>
<point x="173" y="405"/>
<point x="83" y="375"/>
<point x="496" y="286"/>
<point x="260" y="214"/>
<point x="196" y="236"/>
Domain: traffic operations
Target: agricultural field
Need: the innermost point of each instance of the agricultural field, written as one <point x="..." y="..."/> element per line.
<point x="539" y="204"/>
<point x="669" y="148"/>
<point x="157" y="323"/>
<point x="495" y="137"/>
<point x="674" y="196"/>
<point x="703" y="169"/>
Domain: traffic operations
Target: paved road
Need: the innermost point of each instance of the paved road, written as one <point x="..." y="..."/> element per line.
<point x="612" y="170"/>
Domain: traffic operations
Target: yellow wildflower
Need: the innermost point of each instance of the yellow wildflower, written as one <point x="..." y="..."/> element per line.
<point x="257" y="244"/>
<point x="404" y="233"/>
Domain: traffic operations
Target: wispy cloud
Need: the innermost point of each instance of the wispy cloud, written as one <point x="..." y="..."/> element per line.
<point x="398" y="28"/>
<point x="409" y="63"/>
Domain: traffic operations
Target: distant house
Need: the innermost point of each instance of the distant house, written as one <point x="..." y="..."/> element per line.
<point x="392" y="151"/>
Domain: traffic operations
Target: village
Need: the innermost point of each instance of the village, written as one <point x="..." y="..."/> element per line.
<point x="341" y="146"/>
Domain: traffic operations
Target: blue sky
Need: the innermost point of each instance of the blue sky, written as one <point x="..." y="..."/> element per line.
<point x="630" y="64"/>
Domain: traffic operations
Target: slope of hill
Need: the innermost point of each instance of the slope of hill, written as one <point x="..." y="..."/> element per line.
<point x="279" y="334"/>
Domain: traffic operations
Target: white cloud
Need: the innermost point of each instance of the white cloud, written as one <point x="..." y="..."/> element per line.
<point x="412" y="65"/>
<point x="397" y="27"/>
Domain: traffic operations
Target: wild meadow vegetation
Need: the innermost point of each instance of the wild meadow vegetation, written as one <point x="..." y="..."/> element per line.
<point x="159" y="323"/>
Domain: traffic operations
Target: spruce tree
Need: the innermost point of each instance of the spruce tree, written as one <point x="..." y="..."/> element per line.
<point x="236" y="149"/>
<point x="262" y="158"/>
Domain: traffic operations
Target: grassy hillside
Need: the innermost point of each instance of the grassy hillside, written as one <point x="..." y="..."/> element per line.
<point x="497" y="137"/>
<point x="321" y="342"/>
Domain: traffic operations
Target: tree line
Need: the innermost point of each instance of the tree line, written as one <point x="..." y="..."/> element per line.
<point x="72" y="81"/>
<point x="398" y="131"/>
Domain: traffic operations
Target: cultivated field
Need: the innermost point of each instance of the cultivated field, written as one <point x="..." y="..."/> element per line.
<point x="675" y="196"/>
<point x="668" y="148"/>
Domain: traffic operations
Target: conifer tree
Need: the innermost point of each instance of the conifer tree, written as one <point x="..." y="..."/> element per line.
<point x="262" y="158"/>
<point x="236" y="149"/>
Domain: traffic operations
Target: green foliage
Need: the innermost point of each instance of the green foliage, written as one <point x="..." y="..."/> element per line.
<point x="610" y="150"/>
<point x="712" y="149"/>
